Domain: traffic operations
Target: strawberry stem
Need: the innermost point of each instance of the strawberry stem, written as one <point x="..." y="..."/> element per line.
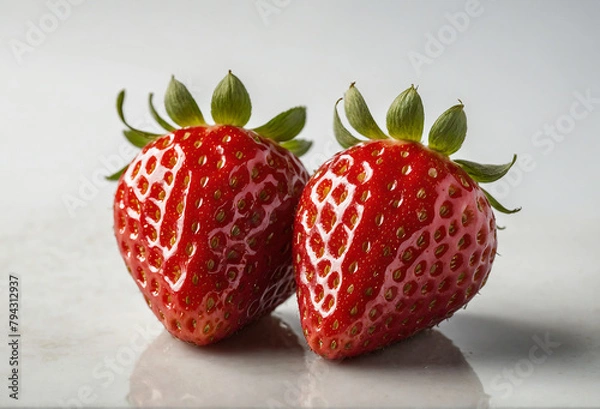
<point x="230" y="103"/>
<point x="181" y="106"/>
<point x="284" y="126"/>
<point x="405" y="120"/>
<point x="359" y="115"/>
<point x="120" y="101"/>
<point x="230" y="106"/>
<point x="297" y="146"/>
<point x="497" y="205"/>
<point x="115" y="176"/>
<point x="448" y="132"/>
<point x="485" y="173"/>
<point x="342" y="135"/>
<point x="406" y="117"/>
<point x="135" y="138"/>
<point x="164" y="124"/>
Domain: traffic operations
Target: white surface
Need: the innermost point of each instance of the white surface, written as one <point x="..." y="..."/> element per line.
<point x="87" y="335"/>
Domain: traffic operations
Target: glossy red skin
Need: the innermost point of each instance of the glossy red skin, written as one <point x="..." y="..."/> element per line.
<point x="417" y="261"/>
<point x="203" y="219"/>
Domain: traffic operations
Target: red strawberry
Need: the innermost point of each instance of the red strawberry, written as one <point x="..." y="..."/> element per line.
<point x="203" y="215"/>
<point x="391" y="237"/>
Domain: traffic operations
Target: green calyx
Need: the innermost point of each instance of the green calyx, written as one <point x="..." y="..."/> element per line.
<point x="405" y="121"/>
<point x="181" y="106"/>
<point x="448" y="132"/>
<point x="230" y="105"/>
<point x="343" y="136"/>
<point x="284" y="126"/>
<point x="406" y="117"/>
<point x="485" y="173"/>
<point x="359" y="116"/>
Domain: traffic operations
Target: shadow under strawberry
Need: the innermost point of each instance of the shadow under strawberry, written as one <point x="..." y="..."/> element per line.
<point x="268" y="365"/>
<point x="252" y="369"/>
<point x="425" y="371"/>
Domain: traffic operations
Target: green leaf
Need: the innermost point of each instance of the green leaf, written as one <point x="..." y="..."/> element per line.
<point x="406" y="116"/>
<point x="120" y="102"/>
<point x="230" y="102"/>
<point x="448" y="131"/>
<point x="164" y="124"/>
<point x="496" y="204"/>
<point x="485" y="173"/>
<point x="297" y="146"/>
<point x="116" y="175"/>
<point x="284" y="126"/>
<point x="136" y="139"/>
<point x="181" y="106"/>
<point x="342" y="135"/>
<point x="359" y="116"/>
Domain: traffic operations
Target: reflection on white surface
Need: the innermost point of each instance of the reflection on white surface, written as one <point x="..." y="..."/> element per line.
<point x="247" y="369"/>
<point x="268" y="365"/>
<point x="426" y="371"/>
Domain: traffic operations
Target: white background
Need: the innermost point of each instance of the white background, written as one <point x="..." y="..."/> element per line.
<point x="518" y="66"/>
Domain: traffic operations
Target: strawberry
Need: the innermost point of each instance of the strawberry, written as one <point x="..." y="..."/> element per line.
<point x="391" y="236"/>
<point x="203" y="215"/>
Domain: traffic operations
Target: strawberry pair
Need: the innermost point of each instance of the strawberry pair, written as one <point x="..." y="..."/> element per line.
<point x="219" y="224"/>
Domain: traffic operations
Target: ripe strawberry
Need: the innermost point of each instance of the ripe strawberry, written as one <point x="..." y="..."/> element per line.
<point x="204" y="215"/>
<point x="391" y="237"/>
